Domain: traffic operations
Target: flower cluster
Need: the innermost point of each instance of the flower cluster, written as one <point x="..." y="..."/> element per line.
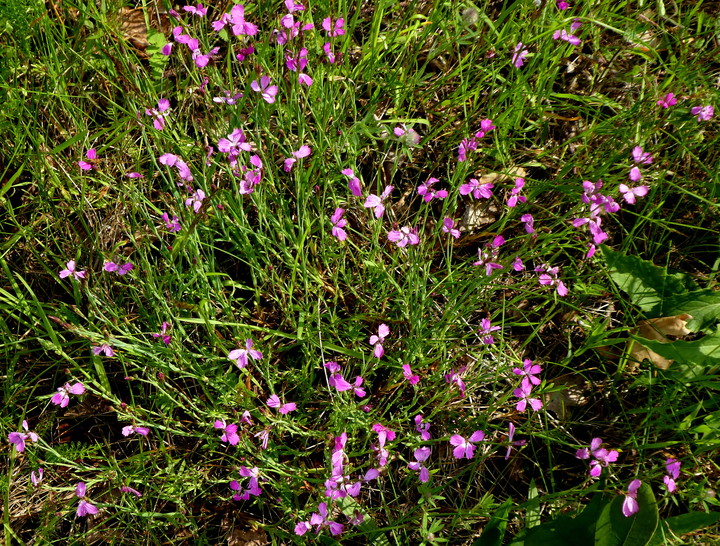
<point x="601" y="456"/>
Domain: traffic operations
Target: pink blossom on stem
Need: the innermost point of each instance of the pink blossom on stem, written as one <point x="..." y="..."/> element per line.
<point x="630" y="504"/>
<point x="158" y="114"/>
<point x="62" y="396"/>
<point x="335" y="29"/>
<point x="428" y="193"/>
<point x="338" y="223"/>
<point x="407" y="373"/>
<point x="375" y="202"/>
<point x="19" y="438"/>
<point x="404" y="236"/>
<point x="85" y="507"/>
<point x="166" y="338"/>
<point x="486" y="331"/>
<point x="267" y="91"/>
<point x="703" y="113"/>
<point x="421" y="455"/>
<point x="518" y="58"/>
<point x="523" y="393"/>
<point x="229" y="434"/>
<point x="422" y="427"/>
<point x="105" y="349"/>
<point x="449" y="227"/>
<point x="378" y="340"/>
<point x="195" y="200"/>
<point x="130" y="429"/>
<point x="274" y="402"/>
<point x="477" y="189"/>
<point x="70" y="270"/>
<point x="667" y="101"/>
<point x="455" y="378"/>
<point x="630" y="194"/>
<point x="464" y="448"/>
<point x="91" y="155"/>
<point x="240" y="356"/>
<point x="353" y="183"/>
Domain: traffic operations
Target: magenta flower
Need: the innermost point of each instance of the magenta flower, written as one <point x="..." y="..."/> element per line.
<point x="477" y="189"/>
<point x="163" y="333"/>
<point x="264" y="436"/>
<point x="376" y="202"/>
<point x="672" y="467"/>
<point x="71" y="271"/>
<point x="195" y="200"/>
<point x="133" y="175"/>
<point x="105" y="349"/>
<point x="233" y="145"/>
<point x="229" y="434"/>
<point x="158" y="114"/>
<point x="198" y="10"/>
<point x="296" y="63"/>
<point x="640" y="156"/>
<point x="490" y="253"/>
<point x="236" y="19"/>
<point x="570" y="38"/>
<point x="334" y="29"/>
<point x="529" y="222"/>
<point x="421" y="455"/>
<point x="274" y="402"/>
<point x="409" y="137"/>
<point x="518" y="58"/>
<point x="511" y="443"/>
<point x="62" y="396"/>
<point x="36" y="479"/>
<point x="562" y="5"/>
<point x="407" y="373"/>
<point x="528" y="372"/>
<point x="422" y="427"/>
<point x="523" y="393"/>
<point x="428" y="194"/>
<point x="635" y="174"/>
<point x="112" y="267"/>
<point x="172" y="225"/>
<point x="379" y="339"/>
<point x="19" y="438"/>
<point x="630" y="504"/>
<point x="267" y="91"/>
<point x="229" y="98"/>
<point x="240" y="356"/>
<point x="130" y="429"/>
<point x="630" y="194"/>
<point x="253" y="487"/>
<point x="126" y="489"/>
<point x="667" y="101"/>
<point x="353" y="183"/>
<point x="703" y="113"/>
<point x="320" y="521"/>
<point x="486" y="330"/>
<point x="517" y="264"/>
<point x="549" y="277"/>
<point x="404" y="236"/>
<point x="455" y="378"/>
<point x="304" y="151"/>
<point x="338" y="223"/>
<point x="515" y="194"/>
<point x="91" y="155"/>
<point x="85" y="507"/>
<point x="602" y="457"/>
<point x="449" y="227"/>
<point x="171" y="160"/>
<point x="465" y="448"/>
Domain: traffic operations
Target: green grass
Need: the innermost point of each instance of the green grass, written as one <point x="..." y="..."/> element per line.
<point x="265" y="266"/>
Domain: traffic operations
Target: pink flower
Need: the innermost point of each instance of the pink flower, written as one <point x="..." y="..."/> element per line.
<point x="338" y="223"/>
<point x="171" y="160"/>
<point x="490" y="253"/>
<point x="422" y="427"/>
<point x="353" y="182"/>
<point x="455" y="378"/>
<point x="421" y="455"/>
<point x="267" y="91"/>
<point x="112" y="267"/>
<point x="477" y="189"/>
<point x="240" y="356"/>
<point x="195" y="200"/>
<point x="71" y="271"/>
<point x="407" y="373"/>
<point x="379" y="339"/>
<point x="528" y="372"/>
<point x="303" y="151"/>
<point x="639" y="156"/>
<point x="376" y="202"/>
<point x="672" y="467"/>
<point x="629" y="194"/>
<point x="562" y="5"/>
<point x="62" y="396"/>
<point x="172" y="225"/>
<point x="129" y="429"/>
<point x="515" y="195"/>
<point x="236" y="18"/>
<point x="253" y="487"/>
<point x="91" y="154"/>
<point x="404" y="236"/>
<point x="703" y="113"/>
<point x="126" y="489"/>
<point x="529" y="222"/>
<point x="159" y="113"/>
<point x="274" y="402"/>
<point x="336" y="29"/>
<point x="511" y="443"/>
<point x="85" y="507"/>
<point x="602" y="456"/>
<point x="667" y="101"/>
<point x="229" y="434"/>
<point x="198" y="10"/>
<point x="523" y="393"/>
<point x="635" y="174"/>
<point x="487" y="330"/>
<point x="465" y="448"/>
<point x="630" y="505"/>
<point x="518" y="58"/>
<point x="37" y="478"/>
<point x="19" y="438"/>
<point x="549" y="277"/>
<point x="104" y="348"/>
<point x="563" y="35"/>
<point x="449" y="227"/>
<point x="428" y="194"/>
<point x="163" y="333"/>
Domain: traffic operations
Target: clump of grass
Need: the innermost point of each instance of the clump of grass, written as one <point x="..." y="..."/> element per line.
<point x="245" y="367"/>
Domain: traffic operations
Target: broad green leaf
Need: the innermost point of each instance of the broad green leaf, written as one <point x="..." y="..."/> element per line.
<point x="701" y="352"/>
<point x="494" y="532"/>
<point x="682" y="524"/>
<point x="614" y="529"/>
<point x="648" y="285"/>
<point x="703" y="305"/>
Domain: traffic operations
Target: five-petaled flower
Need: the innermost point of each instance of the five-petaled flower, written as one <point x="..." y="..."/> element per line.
<point x="630" y="504"/>
<point x="229" y="434"/>
<point x="404" y="236"/>
<point x="673" y="473"/>
<point x="71" y="270"/>
<point x="167" y="338"/>
<point x="376" y="202"/>
<point x="407" y="373"/>
<point x="602" y="457"/>
<point x="428" y="193"/>
<point x="62" y="396"/>
<point x="91" y="155"/>
<point x="421" y="455"/>
<point x="173" y="224"/>
<point x="267" y="91"/>
<point x="353" y="182"/>
<point x="85" y="507"/>
<point x="478" y="189"/>
<point x="105" y="349"/>
<point x="667" y="101"/>
<point x="379" y="339"/>
<point x="449" y="227"/>
<point x="486" y="331"/>
<point x="19" y="438"/>
<point x="195" y="200"/>
<point x="523" y="393"/>
<point x="112" y="267"/>
<point x="703" y="113"/>
<point x="464" y="448"/>
<point x="158" y="114"/>
<point x="240" y="356"/>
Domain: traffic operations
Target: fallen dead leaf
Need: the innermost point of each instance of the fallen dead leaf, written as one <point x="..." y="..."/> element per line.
<point x="656" y="329"/>
<point x="573" y="394"/>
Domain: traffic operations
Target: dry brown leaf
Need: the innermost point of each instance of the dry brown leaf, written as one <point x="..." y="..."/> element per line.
<point x="656" y="329"/>
<point x="572" y="395"/>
